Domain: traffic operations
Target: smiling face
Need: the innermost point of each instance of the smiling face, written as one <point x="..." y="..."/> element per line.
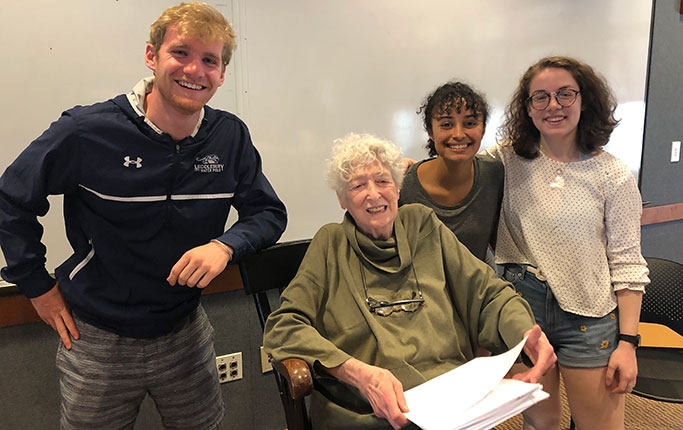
<point x="555" y="122"/>
<point x="371" y="197"/>
<point x="187" y="73"/>
<point x="457" y="134"/>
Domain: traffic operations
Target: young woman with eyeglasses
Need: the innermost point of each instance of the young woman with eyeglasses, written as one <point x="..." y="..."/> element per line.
<point x="569" y="238"/>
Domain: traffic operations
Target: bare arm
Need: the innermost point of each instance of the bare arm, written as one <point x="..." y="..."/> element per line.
<point x="379" y="386"/>
<point x="541" y="354"/>
<point x="200" y="265"/>
<point x="407" y="162"/>
<point x="622" y="369"/>
<point x="53" y="310"/>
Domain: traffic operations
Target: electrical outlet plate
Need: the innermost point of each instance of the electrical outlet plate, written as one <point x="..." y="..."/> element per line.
<point x="265" y="361"/>
<point x="675" y="151"/>
<point x="229" y="367"/>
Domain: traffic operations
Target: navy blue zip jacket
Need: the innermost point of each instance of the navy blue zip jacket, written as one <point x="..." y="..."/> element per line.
<point x="134" y="202"/>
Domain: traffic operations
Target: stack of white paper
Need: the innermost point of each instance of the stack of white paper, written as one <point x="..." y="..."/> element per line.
<point x="473" y="396"/>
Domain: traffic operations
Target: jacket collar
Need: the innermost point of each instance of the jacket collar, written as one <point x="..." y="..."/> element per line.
<point x="136" y="97"/>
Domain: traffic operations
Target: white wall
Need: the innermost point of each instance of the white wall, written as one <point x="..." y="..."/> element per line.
<point x="308" y="71"/>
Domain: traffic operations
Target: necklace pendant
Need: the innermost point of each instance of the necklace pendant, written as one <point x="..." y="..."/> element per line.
<point x="557" y="183"/>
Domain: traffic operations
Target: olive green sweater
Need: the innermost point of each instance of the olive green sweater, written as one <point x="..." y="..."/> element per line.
<point x="324" y="316"/>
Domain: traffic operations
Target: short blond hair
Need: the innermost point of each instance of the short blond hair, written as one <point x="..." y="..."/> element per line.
<point x="196" y="20"/>
<point x="358" y="150"/>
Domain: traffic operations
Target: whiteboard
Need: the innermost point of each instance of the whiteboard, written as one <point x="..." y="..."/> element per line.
<point x="308" y="71"/>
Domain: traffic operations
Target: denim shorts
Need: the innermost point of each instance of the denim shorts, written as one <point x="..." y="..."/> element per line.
<point x="579" y="341"/>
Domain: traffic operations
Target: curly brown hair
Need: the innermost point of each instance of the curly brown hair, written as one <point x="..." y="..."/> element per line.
<point x="598" y="104"/>
<point x="451" y="95"/>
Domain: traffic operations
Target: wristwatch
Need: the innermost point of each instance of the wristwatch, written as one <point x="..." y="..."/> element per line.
<point x="633" y="340"/>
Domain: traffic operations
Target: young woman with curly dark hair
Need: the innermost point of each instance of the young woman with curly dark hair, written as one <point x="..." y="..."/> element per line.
<point x="569" y="238"/>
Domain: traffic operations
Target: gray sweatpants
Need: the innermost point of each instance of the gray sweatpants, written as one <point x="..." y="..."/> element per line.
<point x="104" y="377"/>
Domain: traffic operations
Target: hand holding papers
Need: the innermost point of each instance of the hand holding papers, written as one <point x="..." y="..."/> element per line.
<point x="472" y="396"/>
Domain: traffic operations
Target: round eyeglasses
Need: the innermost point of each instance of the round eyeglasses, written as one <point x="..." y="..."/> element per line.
<point x="540" y="100"/>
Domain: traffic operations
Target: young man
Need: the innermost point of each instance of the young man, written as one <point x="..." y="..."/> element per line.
<point x="148" y="180"/>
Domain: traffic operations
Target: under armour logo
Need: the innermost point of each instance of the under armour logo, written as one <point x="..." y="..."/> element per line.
<point x="127" y="162"/>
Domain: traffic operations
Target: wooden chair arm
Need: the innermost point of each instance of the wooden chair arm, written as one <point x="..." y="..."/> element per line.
<point x="298" y="376"/>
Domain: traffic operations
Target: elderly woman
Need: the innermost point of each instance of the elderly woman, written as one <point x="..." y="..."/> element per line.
<point x="389" y="299"/>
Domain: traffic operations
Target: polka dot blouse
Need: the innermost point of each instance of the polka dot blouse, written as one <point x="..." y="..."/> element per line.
<point x="578" y="223"/>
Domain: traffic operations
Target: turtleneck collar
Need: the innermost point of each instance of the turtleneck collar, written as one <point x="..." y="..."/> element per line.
<point x="391" y="255"/>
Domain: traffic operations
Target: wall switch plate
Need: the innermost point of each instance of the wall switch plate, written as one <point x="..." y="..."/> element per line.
<point x="265" y="361"/>
<point x="229" y="367"/>
<point x="675" y="151"/>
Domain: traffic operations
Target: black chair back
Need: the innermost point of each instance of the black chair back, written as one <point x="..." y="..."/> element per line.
<point x="663" y="299"/>
<point x="270" y="270"/>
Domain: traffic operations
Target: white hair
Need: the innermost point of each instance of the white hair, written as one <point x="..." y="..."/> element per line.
<point x="359" y="150"/>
